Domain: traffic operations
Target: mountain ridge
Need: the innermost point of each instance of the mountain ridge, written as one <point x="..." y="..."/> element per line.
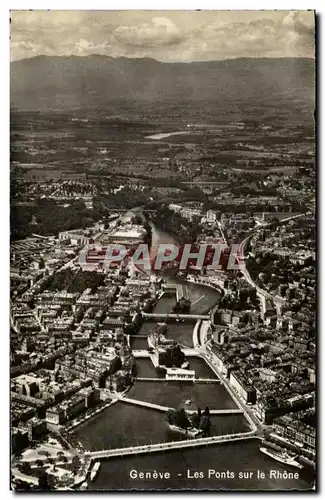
<point x="105" y="56"/>
<point x="65" y="81"/>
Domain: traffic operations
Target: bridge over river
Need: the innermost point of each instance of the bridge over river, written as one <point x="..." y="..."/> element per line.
<point x="153" y="406"/>
<point x="196" y="380"/>
<point x="173" y="445"/>
<point x="164" y="316"/>
<point x="188" y="352"/>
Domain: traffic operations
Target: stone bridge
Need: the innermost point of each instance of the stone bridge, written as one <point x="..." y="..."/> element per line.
<point x="173" y="445"/>
<point x="166" y="316"/>
<point x="196" y="380"/>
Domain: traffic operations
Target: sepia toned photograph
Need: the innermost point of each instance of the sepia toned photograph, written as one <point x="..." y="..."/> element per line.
<point x="163" y="250"/>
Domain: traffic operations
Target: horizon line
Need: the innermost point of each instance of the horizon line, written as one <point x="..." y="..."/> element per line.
<point x="162" y="62"/>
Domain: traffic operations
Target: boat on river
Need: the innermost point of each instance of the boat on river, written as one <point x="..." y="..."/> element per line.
<point x="94" y="471"/>
<point x="190" y="433"/>
<point x="281" y="456"/>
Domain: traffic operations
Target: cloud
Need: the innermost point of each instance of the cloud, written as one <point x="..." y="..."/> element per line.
<point x="159" y="32"/>
<point x="163" y="35"/>
<point x="297" y="21"/>
<point x="291" y="35"/>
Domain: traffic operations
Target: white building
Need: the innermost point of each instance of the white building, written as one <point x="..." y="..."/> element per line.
<point x="190" y="213"/>
<point x="239" y="383"/>
<point x="211" y="216"/>
<point x="175" y="208"/>
<point x="74" y="238"/>
<point x="180" y="374"/>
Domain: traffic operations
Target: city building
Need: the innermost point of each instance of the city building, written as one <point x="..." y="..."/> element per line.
<point x="296" y="432"/>
<point x="240" y="383"/>
<point x="55" y="415"/>
<point x="180" y="374"/>
<point x="211" y="216"/>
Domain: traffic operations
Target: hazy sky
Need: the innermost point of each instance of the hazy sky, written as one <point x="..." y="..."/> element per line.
<point x="163" y="35"/>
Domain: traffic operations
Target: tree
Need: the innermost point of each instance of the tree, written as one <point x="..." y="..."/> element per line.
<point x="178" y="418"/>
<point x="43" y="481"/>
<point x="76" y="463"/>
<point x="181" y="419"/>
<point x="207" y="412"/>
<point x="170" y="416"/>
<point x="196" y="419"/>
<point x="22" y="486"/>
<point x="173" y="356"/>
<point x="205" y="424"/>
<point x="177" y="356"/>
<point x="25" y="468"/>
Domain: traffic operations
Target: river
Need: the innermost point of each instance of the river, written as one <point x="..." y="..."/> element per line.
<point x="165" y="135"/>
<point x="145" y="368"/>
<point x="124" y="425"/>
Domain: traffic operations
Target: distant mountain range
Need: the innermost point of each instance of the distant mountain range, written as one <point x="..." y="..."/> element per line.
<point x="64" y="82"/>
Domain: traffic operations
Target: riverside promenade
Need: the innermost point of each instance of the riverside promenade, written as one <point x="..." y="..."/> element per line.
<point x="96" y="411"/>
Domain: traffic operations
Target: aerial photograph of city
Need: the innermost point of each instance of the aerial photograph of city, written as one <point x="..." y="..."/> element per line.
<point x="162" y="250"/>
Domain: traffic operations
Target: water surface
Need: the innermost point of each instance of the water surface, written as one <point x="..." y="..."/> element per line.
<point x="174" y="394"/>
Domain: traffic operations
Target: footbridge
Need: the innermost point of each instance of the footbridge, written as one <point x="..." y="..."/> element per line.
<point x="196" y="380"/>
<point x="162" y="316"/>
<point x="173" y="445"/>
<point x="153" y="406"/>
<point x="144" y="404"/>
